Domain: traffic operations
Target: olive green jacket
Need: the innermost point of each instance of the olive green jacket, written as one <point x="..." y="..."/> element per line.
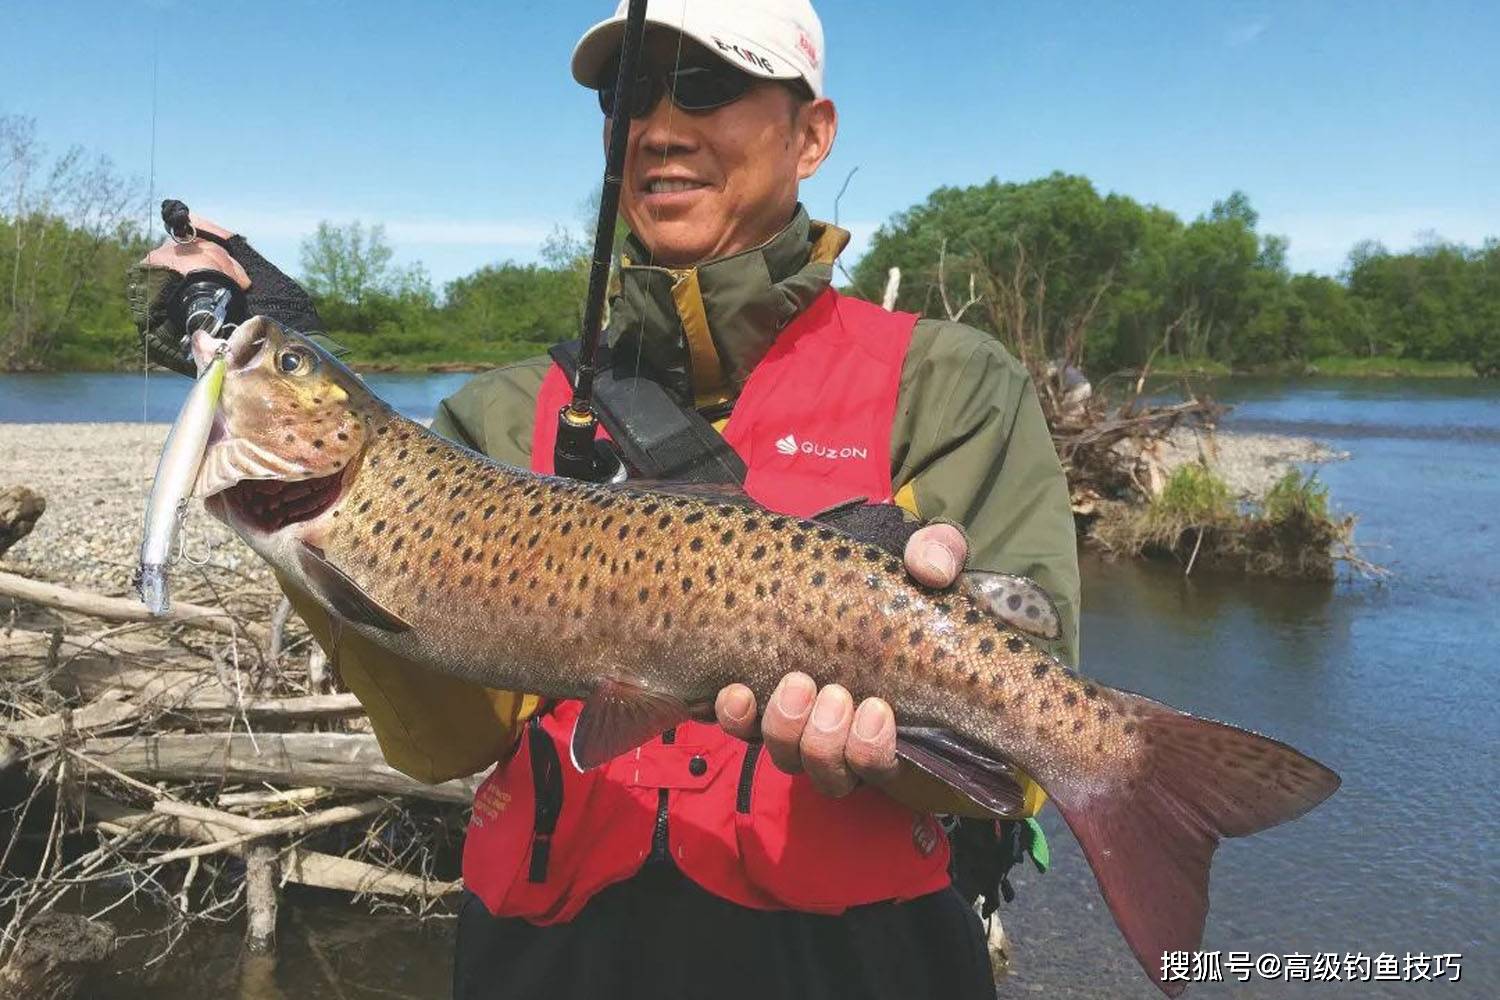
<point x="969" y="446"/>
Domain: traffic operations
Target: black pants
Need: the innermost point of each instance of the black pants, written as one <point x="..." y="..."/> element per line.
<point x="659" y="936"/>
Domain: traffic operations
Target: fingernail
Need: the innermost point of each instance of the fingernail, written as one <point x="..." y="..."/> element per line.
<point x="738" y="703"/>
<point x="869" y="721"/>
<point x="829" y="713"/>
<point x="940" y="560"/>
<point x="794" y="698"/>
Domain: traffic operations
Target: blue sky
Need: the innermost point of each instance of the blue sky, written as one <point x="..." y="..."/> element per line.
<point x="458" y="126"/>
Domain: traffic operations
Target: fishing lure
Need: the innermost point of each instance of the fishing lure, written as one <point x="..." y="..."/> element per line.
<point x="176" y="474"/>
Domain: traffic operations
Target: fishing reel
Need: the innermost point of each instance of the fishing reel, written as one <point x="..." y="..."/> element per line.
<point x="208" y="301"/>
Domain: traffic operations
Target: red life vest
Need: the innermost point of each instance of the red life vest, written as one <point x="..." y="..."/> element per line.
<point x="813" y="425"/>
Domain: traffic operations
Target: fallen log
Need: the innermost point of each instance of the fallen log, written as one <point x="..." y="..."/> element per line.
<point x="350" y="761"/>
<point x="105" y="714"/>
<point x="121" y="609"/>
<point x="329" y="872"/>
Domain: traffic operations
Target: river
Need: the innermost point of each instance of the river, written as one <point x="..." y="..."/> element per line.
<point x="1393" y="684"/>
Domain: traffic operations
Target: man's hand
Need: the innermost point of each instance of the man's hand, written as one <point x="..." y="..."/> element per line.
<point x="821" y="731"/>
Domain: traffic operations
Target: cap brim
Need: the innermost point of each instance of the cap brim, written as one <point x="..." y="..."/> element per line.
<point x="599" y="44"/>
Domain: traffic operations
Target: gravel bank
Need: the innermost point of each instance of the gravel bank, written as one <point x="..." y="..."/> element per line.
<point x="1249" y="463"/>
<point x="95" y="478"/>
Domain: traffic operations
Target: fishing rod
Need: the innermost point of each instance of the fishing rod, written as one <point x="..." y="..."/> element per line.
<point x="575" y="455"/>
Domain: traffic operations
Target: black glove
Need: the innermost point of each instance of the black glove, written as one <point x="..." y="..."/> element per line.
<point x="202" y="252"/>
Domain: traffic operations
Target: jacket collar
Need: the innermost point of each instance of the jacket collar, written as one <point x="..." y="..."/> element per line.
<point x="701" y="330"/>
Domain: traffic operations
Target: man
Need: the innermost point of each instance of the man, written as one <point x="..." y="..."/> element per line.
<point x="690" y="868"/>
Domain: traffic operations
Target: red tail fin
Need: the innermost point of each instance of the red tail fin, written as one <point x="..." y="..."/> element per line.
<point x="1150" y="833"/>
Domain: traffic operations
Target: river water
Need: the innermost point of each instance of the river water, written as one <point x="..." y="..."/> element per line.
<point x="1394" y="685"/>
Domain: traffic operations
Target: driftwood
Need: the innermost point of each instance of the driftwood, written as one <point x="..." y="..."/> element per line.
<point x="298" y="864"/>
<point x="349" y="761"/>
<point x="119" y="609"/>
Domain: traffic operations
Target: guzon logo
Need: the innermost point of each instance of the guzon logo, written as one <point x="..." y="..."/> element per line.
<point x="789" y="445"/>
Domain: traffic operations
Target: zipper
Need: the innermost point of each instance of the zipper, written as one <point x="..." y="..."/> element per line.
<point x="747" y="778"/>
<point x="546" y="779"/>
<point x="660" y="852"/>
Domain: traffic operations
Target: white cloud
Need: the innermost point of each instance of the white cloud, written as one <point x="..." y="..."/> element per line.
<point x="1321" y="241"/>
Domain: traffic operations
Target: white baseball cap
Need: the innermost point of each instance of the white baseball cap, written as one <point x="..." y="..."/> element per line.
<point x="772" y="39"/>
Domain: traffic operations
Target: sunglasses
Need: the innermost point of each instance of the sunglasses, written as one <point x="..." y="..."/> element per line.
<point x="691" y="88"/>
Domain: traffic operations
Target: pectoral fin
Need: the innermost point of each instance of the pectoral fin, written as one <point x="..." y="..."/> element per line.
<point x="620" y="715"/>
<point x="986" y="780"/>
<point x="336" y="590"/>
<point x="1017" y="601"/>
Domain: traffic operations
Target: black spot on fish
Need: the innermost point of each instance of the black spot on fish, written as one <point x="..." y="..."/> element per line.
<point x="290" y="439"/>
<point x="840" y="553"/>
<point x="750" y="524"/>
<point x="536" y="509"/>
<point x="818" y="579"/>
<point x="467" y="581"/>
<point x="799" y="542"/>
<point x="432" y="474"/>
<point x="1013" y="602"/>
<point x="556" y="506"/>
<point x="986" y="646"/>
<point x="664" y="522"/>
<point x="398" y="482"/>
<point x="426" y="533"/>
<point x="666" y="619"/>
<point x="1070" y="699"/>
<point x="726" y="537"/>
<point x="775" y="587"/>
<point x="1015" y="644"/>
<point x="971" y="617"/>
<point x="729" y="599"/>
<point x="760" y="590"/>
<point x="1129" y="728"/>
<point x="759" y="552"/>
<point x="900" y="602"/>
<point x="651" y="508"/>
<point x="432" y="560"/>
<point x="1103" y="714"/>
<point x="687" y="584"/>
<point x="378" y="527"/>
<point x="512" y="576"/>
<point x="642" y="595"/>
<point x="693" y="518"/>
<point x="696" y="545"/>
<point x="842" y="645"/>
<point x="872" y="554"/>
<point x="713" y="574"/>
<point x="1040" y="669"/>
<point x="401" y="454"/>
<point x="915" y="637"/>
<point x="432" y="449"/>
<point x="551" y="600"/>
<point x="396" y="543"/>
<point x="342" y="436"/>
<point x="489" y="512"/>
<point x="379" y="430"/>
<point x="531" y="542"/>
<point x="567" y="526"/>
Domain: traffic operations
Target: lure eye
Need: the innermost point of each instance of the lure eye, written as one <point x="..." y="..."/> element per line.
<point x="292" y="362"/>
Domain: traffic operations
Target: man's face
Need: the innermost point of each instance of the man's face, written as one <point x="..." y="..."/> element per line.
<point x="703" y="185"/>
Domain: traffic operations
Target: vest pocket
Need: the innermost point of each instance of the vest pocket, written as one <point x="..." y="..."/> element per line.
<point x="814" y="853"/>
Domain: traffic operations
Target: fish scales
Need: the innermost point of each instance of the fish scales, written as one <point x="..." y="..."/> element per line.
<point x="576" y="580"/>
<point x="459" y="564"/>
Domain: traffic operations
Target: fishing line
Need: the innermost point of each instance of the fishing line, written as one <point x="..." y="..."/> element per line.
<point x="150" y="197"/>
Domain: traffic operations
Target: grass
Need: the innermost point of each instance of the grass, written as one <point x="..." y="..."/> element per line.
<point x="1195" y="520"/>
<point x="1380" y="367"/>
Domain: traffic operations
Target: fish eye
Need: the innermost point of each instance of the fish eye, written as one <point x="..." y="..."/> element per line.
<point x="292" y="362"/>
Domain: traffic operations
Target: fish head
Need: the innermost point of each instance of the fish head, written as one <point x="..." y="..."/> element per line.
<point x="292" y="426"/>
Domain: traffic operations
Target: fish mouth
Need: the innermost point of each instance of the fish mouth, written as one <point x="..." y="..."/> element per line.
<point x="268" y="505"/>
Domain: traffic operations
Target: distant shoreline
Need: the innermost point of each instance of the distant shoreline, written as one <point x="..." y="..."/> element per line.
<point x="1332" y="367"/>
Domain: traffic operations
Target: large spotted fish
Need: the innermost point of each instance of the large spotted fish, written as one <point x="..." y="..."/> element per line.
<point x="646" y="601"/>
